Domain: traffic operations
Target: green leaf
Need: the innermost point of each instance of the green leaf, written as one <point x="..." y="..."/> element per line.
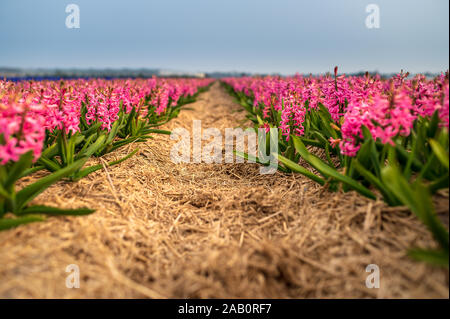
<point x="311" y="142"/>
<point x="326" y="170"/>
<point x="412" y="156"/>
<point x="158" y="131"/>
<point x="404" y="155"/>
<point x="16" y="171"/>
<point x="440" y="183"/>
<point x="4" y="193"/>
<point x="113" y="132"/>
<point x="426" y="171"/>
<point x="371" y="153"/>
<point x="364" y="153"/>
<point x="364" y="156"/>
<point x="435" y="257"/>
<point x="87" y="143"/>
<point x="255" y="159"/>
<point x="123" y="158"/>
<point x="94" y="147"/>
<point x="440" y="153"/>
<point x="78" y="138"/>
<point x="434" y="124"/>
<point x="31" y="191"/>
<point x="372" y="179"/>
<point x="326" y="120"/>
<point x="327" y="154"/>
<point x="49" y="164"/>
<point x="248" y="157"/>
<point x="299" y="169"/>
<point x="92" y="169"/>
<point x="54" y="211"/>
<point x="321" y="138"/>
<point x="32" y="170"/>
<point x="50" y="151"/>
<point x="289" y="153"/>
<point x="93" y="129"/>
<point x="126" y="141"/>
<point x="260" y="121"/>
<point x="7" y="223"/>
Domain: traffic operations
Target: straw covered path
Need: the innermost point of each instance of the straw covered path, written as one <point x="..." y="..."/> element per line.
<point x="165" y="230"/>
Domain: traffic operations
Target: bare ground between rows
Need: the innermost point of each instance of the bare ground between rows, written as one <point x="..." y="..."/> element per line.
<point x="214" y="230"/>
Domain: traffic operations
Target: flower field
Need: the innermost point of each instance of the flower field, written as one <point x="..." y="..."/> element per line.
<point x="87" y="179"/>
<point x="384" y="138"/>
<point x="233" y="157"/>
<point x="58" y="126"/>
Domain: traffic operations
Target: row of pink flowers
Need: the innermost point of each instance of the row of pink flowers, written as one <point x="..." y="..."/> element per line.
<point x="388" y="107"/>
<point x="29" y="108"/>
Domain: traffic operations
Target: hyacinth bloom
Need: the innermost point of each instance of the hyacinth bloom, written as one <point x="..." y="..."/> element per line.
<point x="21" y="130"/>
<point x="384" y="117"/>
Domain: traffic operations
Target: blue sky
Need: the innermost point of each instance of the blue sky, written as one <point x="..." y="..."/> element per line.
<point x="285" y="36"/>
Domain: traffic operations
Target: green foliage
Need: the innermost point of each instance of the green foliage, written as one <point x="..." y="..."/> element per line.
<point x="16" y="202"/>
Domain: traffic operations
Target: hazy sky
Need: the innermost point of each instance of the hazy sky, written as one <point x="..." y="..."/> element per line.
<point x="228" y="35"/>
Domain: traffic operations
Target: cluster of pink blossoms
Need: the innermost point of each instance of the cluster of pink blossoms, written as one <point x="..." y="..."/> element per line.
<point x="21" y="129"/>
<point x="388" y="107"/>
<point x="29" y="108"/>
<point x="384" y="117"/>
